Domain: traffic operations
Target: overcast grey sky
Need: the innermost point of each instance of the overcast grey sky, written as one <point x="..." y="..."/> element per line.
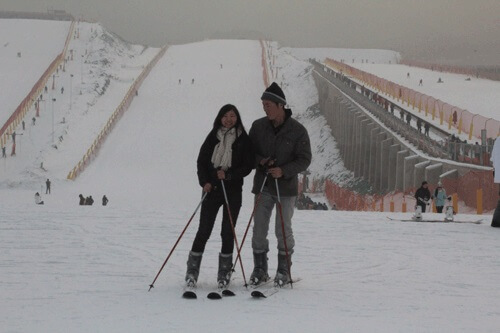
<point x="457" y="31"/>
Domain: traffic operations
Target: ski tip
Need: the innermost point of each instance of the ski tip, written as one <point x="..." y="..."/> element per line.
<point x="214" y="295"/>
<point x="150" y="287"/>
<point x="257" y="294"/>
<point x="189" y="295"/>
<point x="227" y="292"/>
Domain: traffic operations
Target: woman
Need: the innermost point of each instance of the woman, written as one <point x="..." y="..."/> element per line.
<point x="440" y="197"/>
<point x="225" y="158"/>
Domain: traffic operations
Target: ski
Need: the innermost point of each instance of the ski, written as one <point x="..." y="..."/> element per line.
<point x="260" y="285"/>
<point x="189" y="293"/>
<point x="271" y="291"/>
<point x="437" y="221"/>
<point x="220" y="294"/>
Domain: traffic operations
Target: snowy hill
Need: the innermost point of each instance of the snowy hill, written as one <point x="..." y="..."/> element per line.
<point x="88" y="268"/>
<point x="38" y="43"/>
<point x="478" y="96"/>
<point x="72" y="114"/>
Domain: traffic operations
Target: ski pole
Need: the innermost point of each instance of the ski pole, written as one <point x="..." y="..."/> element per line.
<point x="234" y="233"/>
<point x="177" y="242"/>
<point x="283" y="232"/>
<point x="238" y="257"/>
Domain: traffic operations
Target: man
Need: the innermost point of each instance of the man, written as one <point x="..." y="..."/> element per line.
<point x="282" y="151"/>
<point x="423" y="195"/>
<point x="495" y="158"/>
<point x="47" y="183"/>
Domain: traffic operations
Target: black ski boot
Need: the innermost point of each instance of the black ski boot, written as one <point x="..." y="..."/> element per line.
<point x="282" y="275"/>
<point x="193" y="268"/>
<point x="224" y="273"/>
<point x="259" y="274"/>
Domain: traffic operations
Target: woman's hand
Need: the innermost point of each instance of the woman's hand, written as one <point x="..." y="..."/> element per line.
<point x="221" y="174"/>
<point x="207" y="188"/>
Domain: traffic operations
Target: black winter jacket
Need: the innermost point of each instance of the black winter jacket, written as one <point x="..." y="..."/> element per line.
<point x="241" y="163"/>
<point x="290" y="147"/>
<point x="424" y="194"/>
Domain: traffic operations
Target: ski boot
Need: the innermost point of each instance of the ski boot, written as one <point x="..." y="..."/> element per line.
<point x="225" y="270"/>
<point x="193" y="268"/>
<point x="282" y="276"/>
<point x="259" y="274"/>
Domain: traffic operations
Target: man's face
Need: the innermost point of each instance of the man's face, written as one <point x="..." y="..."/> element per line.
<point x="272" y="110"/>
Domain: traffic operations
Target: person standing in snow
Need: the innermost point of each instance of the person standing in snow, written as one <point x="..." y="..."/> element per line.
<point x="495" y="158"/>
<point x="82" y="200"/>
<point x="225" y="158"/>
<point x="423" y="195"/>
<point x="419" y="125"/>
<point x="427" y="127"/>
<point x="105" y="200"/>
<point x="440" y="197"/>
<point x="89" y="201"/>
<point x="282" y="150"/>
<point x="47" y="183"/>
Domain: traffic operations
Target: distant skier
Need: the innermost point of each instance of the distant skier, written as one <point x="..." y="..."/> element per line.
<point x="89" y="201"/>
<point x="38" y="199"/>
<point x="104" y="200"/>
<point x="82" y="200"/>
<point x="33" y="121"/>
<point x="408" y="118"/>
<point x="419" y="125"/>
<point x="62" y="90"/>
<point x="179" y="81"/>
<point x="47" y="184"/>
<point x="495" y="158"/>
<point x="192" y="81"/>
<point x="420" y="83"/>
<point x="3" y="152"/>
<point x="24" y="125"/>
<point x="423" y="195"/>
<point x="427" y="127"/>
<point x="440" y="197"/>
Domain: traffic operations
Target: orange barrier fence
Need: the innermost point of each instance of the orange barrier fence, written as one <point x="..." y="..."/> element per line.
<point x="475" y="189"/>
<point x="26" y="104"/>
<point x="460" y="119"/>
<point x="127" y="100"/>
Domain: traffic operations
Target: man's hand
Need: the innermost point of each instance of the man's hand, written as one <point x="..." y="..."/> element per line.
<point x="275" y="172"/>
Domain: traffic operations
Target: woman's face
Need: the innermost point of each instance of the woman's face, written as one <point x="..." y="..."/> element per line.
<point x="229" y="119"/>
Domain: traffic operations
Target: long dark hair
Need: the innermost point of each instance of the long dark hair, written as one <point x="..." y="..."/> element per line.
<point x="223" y="110"/>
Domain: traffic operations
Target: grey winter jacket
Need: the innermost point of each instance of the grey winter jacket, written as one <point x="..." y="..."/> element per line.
<point x="291" y="149"/>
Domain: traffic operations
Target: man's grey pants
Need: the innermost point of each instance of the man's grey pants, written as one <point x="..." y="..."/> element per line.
<point x="267" y="203"/>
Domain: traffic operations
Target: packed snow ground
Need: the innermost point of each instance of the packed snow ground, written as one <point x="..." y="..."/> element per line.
<point x="88" y="268"/>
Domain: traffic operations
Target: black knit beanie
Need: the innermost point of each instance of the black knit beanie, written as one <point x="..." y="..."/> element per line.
<point x="274" y="93"/>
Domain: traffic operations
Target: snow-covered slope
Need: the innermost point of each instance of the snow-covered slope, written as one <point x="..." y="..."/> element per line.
<point x="478" y="96"/>
<point x="71" y="115"/>
<point x="38" y="42"/>
<point x="88" y="268"/>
